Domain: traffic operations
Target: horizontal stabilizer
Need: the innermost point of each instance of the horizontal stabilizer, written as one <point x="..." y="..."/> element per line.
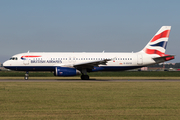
<point x="164" y="58"/>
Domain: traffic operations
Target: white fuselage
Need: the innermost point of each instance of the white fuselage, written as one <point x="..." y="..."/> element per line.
<point x="118" y="60"/>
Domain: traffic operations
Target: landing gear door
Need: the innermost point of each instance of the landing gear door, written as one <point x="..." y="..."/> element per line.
<point x="139" y="59"/>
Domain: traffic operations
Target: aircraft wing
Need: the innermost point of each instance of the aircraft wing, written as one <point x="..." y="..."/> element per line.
<point x="91" y="64"/>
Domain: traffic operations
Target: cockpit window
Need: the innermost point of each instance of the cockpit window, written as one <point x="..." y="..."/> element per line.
<point x="14" y="58"/>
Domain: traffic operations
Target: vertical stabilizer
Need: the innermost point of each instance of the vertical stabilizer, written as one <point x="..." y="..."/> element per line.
<point x="158" y="43"/>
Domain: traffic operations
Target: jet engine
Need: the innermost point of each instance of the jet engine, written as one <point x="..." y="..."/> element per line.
<point x="66" y="71"/>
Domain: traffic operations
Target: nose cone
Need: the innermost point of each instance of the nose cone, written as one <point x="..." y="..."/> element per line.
<point x="6" y="63"/>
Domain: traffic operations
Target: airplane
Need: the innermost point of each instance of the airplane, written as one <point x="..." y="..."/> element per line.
<point x="76" y="63"/>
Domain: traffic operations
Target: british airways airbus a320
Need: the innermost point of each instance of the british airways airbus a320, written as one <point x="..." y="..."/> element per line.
<point x="71" y="64"/>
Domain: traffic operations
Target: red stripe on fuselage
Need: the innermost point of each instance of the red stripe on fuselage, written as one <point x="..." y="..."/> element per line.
<point x="164" y="34"/>
<point x="28" y="56"/>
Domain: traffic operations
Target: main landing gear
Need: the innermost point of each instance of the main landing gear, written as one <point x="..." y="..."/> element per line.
<point x="84" y="75"/>
<point x="26" y="75"/>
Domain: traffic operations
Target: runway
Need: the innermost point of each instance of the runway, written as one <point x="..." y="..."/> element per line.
<point x="91" y="80"/>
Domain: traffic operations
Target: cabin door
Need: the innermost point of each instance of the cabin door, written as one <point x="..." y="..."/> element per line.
<point x="25" y="59"/>
<point x="26" y="62"/>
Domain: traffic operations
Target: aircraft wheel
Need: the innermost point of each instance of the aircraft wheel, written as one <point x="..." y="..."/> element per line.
<point x="26" y="77"/>
<point x="84" y="77"/>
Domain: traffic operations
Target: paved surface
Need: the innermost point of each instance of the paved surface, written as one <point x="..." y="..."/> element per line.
<point x="91" y="80"/>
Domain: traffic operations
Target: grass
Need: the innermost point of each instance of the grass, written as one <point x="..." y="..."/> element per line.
<point x="90" y="100"/>
<point x="22" y="73"/>
<point x="98" y="74"/>
<point x="137" y="74"/>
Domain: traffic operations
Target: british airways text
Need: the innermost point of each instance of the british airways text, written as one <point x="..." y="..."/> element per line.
<point x="46" y="61"/>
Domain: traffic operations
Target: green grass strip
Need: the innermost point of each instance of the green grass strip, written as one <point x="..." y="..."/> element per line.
<point x="90" y="100"/>
<point x="98" y="74"/>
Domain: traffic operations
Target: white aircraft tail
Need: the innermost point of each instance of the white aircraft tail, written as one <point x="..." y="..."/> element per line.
<point x="157" y="45"/>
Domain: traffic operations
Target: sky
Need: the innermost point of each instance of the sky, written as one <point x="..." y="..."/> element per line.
<point x="85" y="25"/>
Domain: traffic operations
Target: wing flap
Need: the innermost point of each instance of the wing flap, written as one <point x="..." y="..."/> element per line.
<point x="91" y="64"/>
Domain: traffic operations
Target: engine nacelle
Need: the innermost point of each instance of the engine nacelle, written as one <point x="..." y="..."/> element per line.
<point x="65" y="71"/>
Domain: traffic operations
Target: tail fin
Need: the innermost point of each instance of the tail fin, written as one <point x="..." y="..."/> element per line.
<point x="158" y="43"/>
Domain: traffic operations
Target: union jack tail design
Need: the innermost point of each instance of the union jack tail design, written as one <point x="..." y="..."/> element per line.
<point x="158" y="43"/>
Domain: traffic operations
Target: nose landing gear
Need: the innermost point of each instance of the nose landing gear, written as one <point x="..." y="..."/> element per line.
<point x="26" y="77"/>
